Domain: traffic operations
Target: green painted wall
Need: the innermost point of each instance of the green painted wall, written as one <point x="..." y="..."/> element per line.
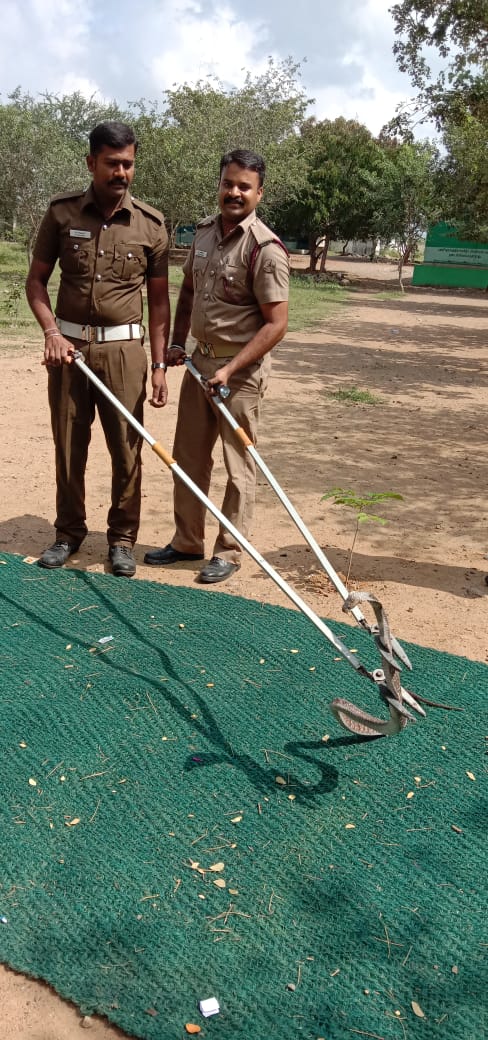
<point x="451" y="261"/>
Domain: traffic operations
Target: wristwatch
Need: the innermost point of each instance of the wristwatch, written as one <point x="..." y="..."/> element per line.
<point x="159" y="364"/>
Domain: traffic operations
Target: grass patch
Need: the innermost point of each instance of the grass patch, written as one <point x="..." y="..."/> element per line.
<point x="311" y="301"/>
<point x="390" y="294"/>
<point x="13" y="260"/>
<point x="16" y="318"/>
<point x="352" y="395"/>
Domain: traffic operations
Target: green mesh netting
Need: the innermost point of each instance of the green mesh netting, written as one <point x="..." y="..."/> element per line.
<point x="125" y="763"/>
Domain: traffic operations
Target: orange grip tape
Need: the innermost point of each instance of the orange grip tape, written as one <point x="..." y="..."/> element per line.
<point x="243" y="436"/>
<point x="163" y="454"/>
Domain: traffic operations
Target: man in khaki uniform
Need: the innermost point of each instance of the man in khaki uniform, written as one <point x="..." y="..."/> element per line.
<point x="108" y="245"/>
<point x="234" y="295"/>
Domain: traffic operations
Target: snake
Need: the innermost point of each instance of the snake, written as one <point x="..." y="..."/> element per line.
<point x="390" y="689"/>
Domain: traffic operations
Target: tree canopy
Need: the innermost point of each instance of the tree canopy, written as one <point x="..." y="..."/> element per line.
<point x="342" y="161"/>
<point x="182" y="142"/>
<point x="456" y="32"/>
<point x="326" y="179"/>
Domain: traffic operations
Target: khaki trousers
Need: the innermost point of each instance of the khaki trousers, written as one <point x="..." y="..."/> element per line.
<point x="73" y="401"/>
<point x="198" y="425"/>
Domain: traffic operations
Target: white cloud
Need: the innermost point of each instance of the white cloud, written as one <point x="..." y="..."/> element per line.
<point x="42" y="44"/>
<point x="219" y="45"/>
<point x="112" y="50"/>
<point x="370" y="103"/>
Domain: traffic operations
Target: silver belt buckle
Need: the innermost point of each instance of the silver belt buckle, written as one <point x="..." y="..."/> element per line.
<point x="86" y="333"/>
<point x="207" y="349"/>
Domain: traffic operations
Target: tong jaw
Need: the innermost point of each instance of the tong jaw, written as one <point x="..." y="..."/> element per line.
<point x="390" y="689"/>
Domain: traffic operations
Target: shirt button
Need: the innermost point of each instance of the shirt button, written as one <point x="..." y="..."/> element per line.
<point x="104" y="227"/>
<point x="98" y="277"/>
<point x="101" y="252"/>
<point x="205" y="295"/>
<point x="219" y="247"/>
<point x="212" y="272"/>
<point x="129" y="256"/>
<point x="75" y="247"/>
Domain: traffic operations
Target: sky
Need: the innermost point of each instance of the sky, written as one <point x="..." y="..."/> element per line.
<point x="125" y="51"/>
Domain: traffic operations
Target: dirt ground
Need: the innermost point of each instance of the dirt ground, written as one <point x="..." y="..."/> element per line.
<point x="424" y="355"/>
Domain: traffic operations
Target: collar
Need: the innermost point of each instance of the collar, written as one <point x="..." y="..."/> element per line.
<point x="89" y="199"/>
<point x="243" y="225"/>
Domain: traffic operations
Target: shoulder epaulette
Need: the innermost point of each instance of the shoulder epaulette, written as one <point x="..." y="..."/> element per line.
<point x="263" y="237"/>
<point x="206" y="222"/>
<point x="146" y="208"/>
<point x="67" y="195"/>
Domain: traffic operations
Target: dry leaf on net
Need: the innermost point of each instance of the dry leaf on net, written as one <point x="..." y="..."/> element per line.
<point x="280" y="780"/>
<point x="417" y="1010"/>
<point x="219" y="882"/>
<point x="216" y="867"/>
<point x="72" y="823"/>
<point x="192" y="1028"/>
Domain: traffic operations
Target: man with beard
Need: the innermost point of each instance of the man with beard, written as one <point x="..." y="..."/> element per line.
<point x="234" y="296"/>
<point x="108" y="245"/>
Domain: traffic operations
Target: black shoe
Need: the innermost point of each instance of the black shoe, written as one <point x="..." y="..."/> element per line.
<point x="217" y="570"/>
<point x="159" y="557"/>
<point x="57" y="554"/>
<point x="123" y="561"/>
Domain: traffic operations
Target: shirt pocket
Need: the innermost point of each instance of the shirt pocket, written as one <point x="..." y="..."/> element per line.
<point x="235" y="282"/>
<point x="200" y="266"/>
<point x="129" y="263"/>
<point x="74" y="257"/>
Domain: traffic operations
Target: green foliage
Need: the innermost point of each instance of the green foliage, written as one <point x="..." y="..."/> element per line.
<point x="12" y="297"/>
<point x="343" y="165"/>
<point x="352" y="395"/>
<point x="407" y="196"/>
<point x="43" y="144"/>
<point x="463" y="177"/>
<point x="361" y="504"/>
<point x="457" y="32"/>
<point x="456" y="99"/>
<point x="312" y="301"/>
<point x="181" y="144"/>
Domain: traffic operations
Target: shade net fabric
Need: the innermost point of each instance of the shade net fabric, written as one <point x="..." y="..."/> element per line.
<point x="182" y="818"/>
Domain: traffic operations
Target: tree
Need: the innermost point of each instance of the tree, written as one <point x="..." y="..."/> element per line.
<point x="182" y="143"/>
<point x="407" y="198"/>
<point x="458" y="31"/>
<point x="463" y="178"/>
<point x="43" y="145"/>
<point x="343" y="163"/>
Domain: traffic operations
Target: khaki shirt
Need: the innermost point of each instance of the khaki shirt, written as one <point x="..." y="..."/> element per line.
<point x="227" y="296"/>
<point x="104" y="263"/>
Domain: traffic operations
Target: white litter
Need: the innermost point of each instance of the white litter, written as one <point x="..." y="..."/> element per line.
<point x="105" y="639"/>
<point x="209" y="1007"/>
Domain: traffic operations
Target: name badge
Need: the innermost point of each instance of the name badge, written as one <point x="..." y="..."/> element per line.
<point x="75" y="233"/>
<point x="201" y="252"/>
